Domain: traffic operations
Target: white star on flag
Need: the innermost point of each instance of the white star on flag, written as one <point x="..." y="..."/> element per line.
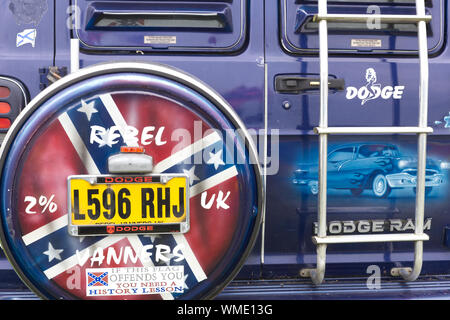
<point x="88" y="109"/>
<point x="216" y="159"/>
<point x="191" y="174"/>
<point x="53" y="253"/>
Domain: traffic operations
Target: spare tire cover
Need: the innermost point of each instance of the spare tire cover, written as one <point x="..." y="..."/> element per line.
<point x="72" y="128"/>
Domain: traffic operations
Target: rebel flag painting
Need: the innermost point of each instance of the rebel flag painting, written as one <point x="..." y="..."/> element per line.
<point x="97" y="279"/>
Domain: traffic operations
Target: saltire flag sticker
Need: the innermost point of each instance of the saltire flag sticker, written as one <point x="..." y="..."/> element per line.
<point x="27" y="36"/>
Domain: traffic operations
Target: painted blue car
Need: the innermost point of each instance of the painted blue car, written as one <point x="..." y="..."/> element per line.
<point x="369" y="166"/>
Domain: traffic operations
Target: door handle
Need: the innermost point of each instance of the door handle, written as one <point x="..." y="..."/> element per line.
<point x="296" y="84"/>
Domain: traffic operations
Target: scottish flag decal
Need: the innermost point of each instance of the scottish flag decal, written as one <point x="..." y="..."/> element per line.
<point x="27" y="36"/>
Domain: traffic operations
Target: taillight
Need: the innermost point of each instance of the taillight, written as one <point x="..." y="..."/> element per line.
<point x="4" y="107"/>
<point x="5" y="123"/>
<point x="13" y="98"/>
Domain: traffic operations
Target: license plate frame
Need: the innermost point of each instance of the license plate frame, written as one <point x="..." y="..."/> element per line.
<point x="160" y="223"/>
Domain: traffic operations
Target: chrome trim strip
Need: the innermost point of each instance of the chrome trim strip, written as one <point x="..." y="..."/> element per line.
<point x="370" y="238"/>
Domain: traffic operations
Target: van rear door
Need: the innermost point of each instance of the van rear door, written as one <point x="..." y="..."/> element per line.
<point x="366" y="207"/>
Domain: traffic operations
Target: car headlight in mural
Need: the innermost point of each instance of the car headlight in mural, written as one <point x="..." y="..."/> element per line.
<point x="379" y="167"/>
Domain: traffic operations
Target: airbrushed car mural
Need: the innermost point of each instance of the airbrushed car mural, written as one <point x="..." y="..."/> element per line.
<point x="378" y="167"/>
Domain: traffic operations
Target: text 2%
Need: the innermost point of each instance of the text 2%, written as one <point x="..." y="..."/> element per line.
<point x="46" y="204"/>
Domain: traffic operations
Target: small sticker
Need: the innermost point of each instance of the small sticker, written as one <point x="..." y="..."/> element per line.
<point x="160" y="39"/>
<point x="25" y="37"/>
<point x="366" y="43"/>
<point x="129" y="281"/>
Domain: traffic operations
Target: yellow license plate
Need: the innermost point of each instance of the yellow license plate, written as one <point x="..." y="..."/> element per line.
<point x="106" y="204"/>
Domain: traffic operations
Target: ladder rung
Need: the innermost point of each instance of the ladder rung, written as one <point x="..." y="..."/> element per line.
<point x="364" y="238"/>
<point x="379" y="130"/>
<point x="387" y="18"/>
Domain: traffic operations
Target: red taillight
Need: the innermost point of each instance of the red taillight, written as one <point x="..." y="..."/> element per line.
<point x="13" y="99"/>
<point x="5" y="123"/>
<point x="4" y="92"/>
<point x="4" y="107"/>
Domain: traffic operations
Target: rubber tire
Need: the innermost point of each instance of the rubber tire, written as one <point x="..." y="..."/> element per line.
<point x="40" y="112"/>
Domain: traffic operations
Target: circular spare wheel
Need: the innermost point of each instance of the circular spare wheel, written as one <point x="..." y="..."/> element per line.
<point x="129" y="181"/>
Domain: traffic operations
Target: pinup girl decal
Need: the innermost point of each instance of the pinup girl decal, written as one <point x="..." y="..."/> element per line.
<point x="373" y="89"/>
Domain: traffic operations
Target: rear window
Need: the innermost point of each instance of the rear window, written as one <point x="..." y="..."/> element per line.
<point x="299" y="33"/>
<point x="187" y="26"/>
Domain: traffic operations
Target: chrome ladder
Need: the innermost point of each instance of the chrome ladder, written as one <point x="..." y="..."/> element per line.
<point x="321" y="240"/>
